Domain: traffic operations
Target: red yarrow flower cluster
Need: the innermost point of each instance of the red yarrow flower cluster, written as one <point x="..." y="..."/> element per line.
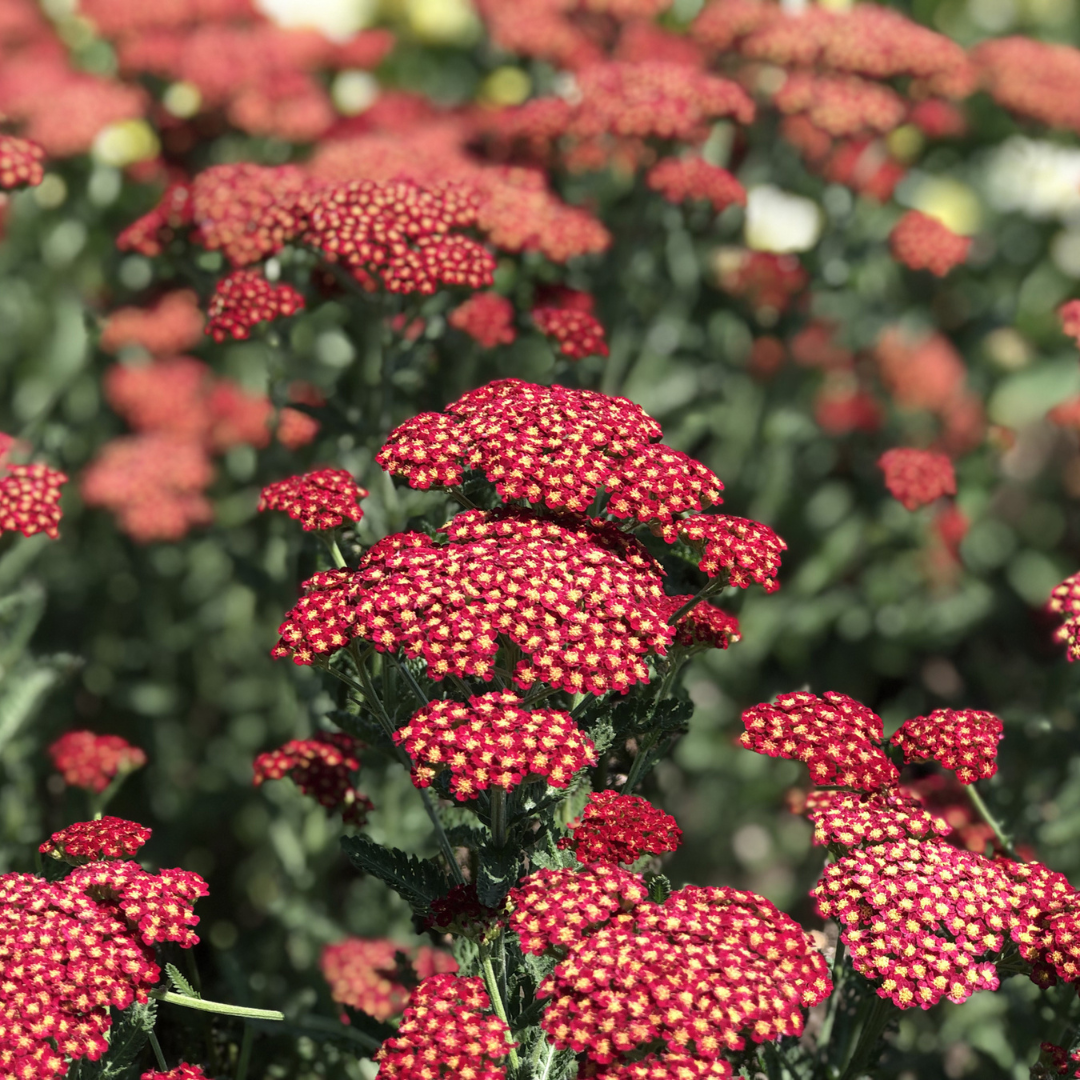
<point x="460" y="912"/>
<point x="30" y="500"/>
<point x="1032" y="78"/>
<point x="767" y="282"/>
<point x="746" y="551"/>
<point x="616" y="828"/>
<point x="1046" y="927"/>
<point x="21" y="162"/>
<point x="917" y="477"/>
<point x="1065" y="601"/>
<point x="92" y="762"/>
<point x="322" y="767"/>
<point x="245" y="298"/>
<point x="838" y="738"/>
<point x="1069" y="314"/>
<point x="921" y="920"/>
<point x="921" y="242"/>
<point x="376" y="975"/>
<point x="323" y="499"/>
<point x="577" y="597"/>
<point x="183" y="1071"/>
<point x="705" y="625"/>
<point x="171" y="325"/>
<point x="680" y="179"/>
<point x="75" y="949"/>
<point x="578" y="333"/>
<point x="554" y="909"/>
<point x="1060" y="1060"/>
<point x="962" y="740"/>
<point x="493" y="742"/>
<point x="487" y="318"/>
<point x="848" y="818"/>
<point x="448" y="1031"/>
<point x="700" y="973"/>
<point x="91" y="841"/>
<point x="841" y="105"/>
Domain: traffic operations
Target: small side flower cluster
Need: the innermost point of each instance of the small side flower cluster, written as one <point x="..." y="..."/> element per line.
<point x="1060" y="1060"/>
<point x="21" y="162"/>
<point x="704" y="626"/>
<point x="90" y="761"/>
<point x="448" y="1031"/>
<point x="848" y="818"/>
<point x="577" y="333"/>
<point x="30" y="499"/>
<point x="1065" y="601"/>
<point x="922" y="242"/>
<point x="616" y="828"/>
<point x="323" y="499"/>
<point x="91" y="841"/>
<point x="487" y="318"/>
<point x="747" y="551"/>
<point x="376" y="975"/>
<point x="493" y="742"/>
<point x="170" y="325"/>
<point x="962" y="740"/>
<point x="917" y="477"/>
<point x="680" y="179"/>
<point x="322" y="767"/>
<point x="243" y="299"/>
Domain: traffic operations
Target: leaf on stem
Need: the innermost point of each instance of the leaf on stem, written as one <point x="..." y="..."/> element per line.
<point x="416" y="881"/>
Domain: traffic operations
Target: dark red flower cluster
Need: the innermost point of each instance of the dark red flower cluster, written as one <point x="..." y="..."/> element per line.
<point x="30" y="499"/>
<point x="1065" y="601"/>
<point x="917" y="477"/>
<point x="243" y="299"/>
<point x="746" y="551"/>
<point x="554" y="909"/>
<point x="921" y="242"/>
<point x="90" y="841"/>
<point x="962" y="740"/>
<point x="700" y="973"/>
<point x="20" y="162"/>
<point x="323" y="499"/>
<point x="839" y="739"/>
<point x="322" y="767"/>
<point x="170" y="325"/>
<point x="848" y="819"/>
<point x="680" y="179"/>
<point x="365" y="974"/>
<point x="90" y="761"/>
<point x="578" y="333"/>
<point x="76" y="947"/>
<point x="922" y="920"/>
<point x="487" y="318"/>
<point x="460" y="912"/>
<point x="1061" y="1061"/>
<point x="945" y="798"/>
<point x="616" y="828"/>
<point x="183" y="1071"/>
<point x="493" y="742"/>
<point x="448" y="1031"/>
<point x="704" y="625"/>
<point x="767" y="282"/>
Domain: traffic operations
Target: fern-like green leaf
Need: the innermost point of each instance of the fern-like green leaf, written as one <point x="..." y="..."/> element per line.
<point x="127" y="1036"/>
<point x="416" y="881"/>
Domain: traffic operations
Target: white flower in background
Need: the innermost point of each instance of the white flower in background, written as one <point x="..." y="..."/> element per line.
<point x="953" y="203"/>
<point x="124" y="143"/>
<point x="337" y="19"/>
<point x="443" y="22"/>
<point x="1034" y="177"/>
<point x="780" y="222"/>
<point x="353" y="91"/>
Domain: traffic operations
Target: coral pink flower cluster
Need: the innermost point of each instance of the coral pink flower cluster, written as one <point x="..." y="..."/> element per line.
<point x="917" y="477"/>
<point x="322" y="767"/>
<point x="376" y="975"/>
<point x="617" y="828"/>
<point x="20" y="162"/>
<point x="487" y="318"/>
<point x="168" y="326"/>
<point x="680" y="179"/>
<point x="921" y="242"/>
<point x="493" y="742"/>
<point x="93" y="762"/>
<point x="91" y="841"/>
<point x="323" y="499"/>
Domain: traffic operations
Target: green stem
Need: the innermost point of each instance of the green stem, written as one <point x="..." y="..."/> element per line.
<point x="498" y="817"/>
<point x="413" y="684"/>
<point x="709" y="588"/>
<point x="640" y="759"/>
<point x="330" y="540"/>
<point x="202" y="1005"/>
<point x="984" y="812"/>
<point x="245" y="1053"/>
<point x="877" y="1020"/>
<point x="99" y="801"/>
<point x="157" y="1052"/>
<point x="496" y="996"/>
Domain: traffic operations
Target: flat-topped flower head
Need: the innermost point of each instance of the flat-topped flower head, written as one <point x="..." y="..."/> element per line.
<point x="553" y="909"/>
<point x="1059" y="1060"/>
<point x="554" y="446"/>
<point x="243" y="299"/>
<point x="838" y="738"/>
<point x="183" y="1071"/>
<point x="575" y="596"/>
<point x="21" y="162"/>
<point x="487" y="318"/>
<point x="847" y="818"/>
<point x="963" y="740"/>
<point x="705" y="625"/>
<point x="322" y="767"/>
<point x="616" y="828"/>
<point x="91" y="841"/>
<point x="922" y="242"/>
<point x="917" y="477"/>
<point x="77" y="948"/>
<point x="30" y="499"/>
<point x="577" y="333"/>
<point x="492" y="741"/>
<point x="680" y="179"/>
<point x="167" y="327"/>
<point x="323" y="499"/>
<point x="923" y="920"/>
<point x="744" y="550"/>
<point x="90" y="761"/>
<point x="1046" y="926"/>
<point x="365" y="973"/>
<point x="701" y="974"/>
<point x="660" y="1067"/>
<point x="448" y="1032"/>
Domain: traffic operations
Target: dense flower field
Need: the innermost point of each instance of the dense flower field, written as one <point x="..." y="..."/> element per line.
<point x="538" y="540"/>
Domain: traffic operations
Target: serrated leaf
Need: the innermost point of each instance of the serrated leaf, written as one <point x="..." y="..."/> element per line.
<point x="127" y="1036"/>
<point x="362" y="727"/>
<point x="179" y="983"/>
<point x="416" y="881"/>
<point x="466" y="836"/>
<point x="496" y="874"/>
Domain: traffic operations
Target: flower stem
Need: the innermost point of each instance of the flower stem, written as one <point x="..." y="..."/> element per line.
<point x="640" y="760"/>
<point x="498" y="817"/>
<point x="215" y="1006"/>
<point x="877" y="1020"/>
<point x="496" y="996"/>
<point x="708" y="589"/>
<point x="984" y="812"/>
<point x="157" y="1052"/>
<point x="330" y="540"/>
<point x="245" y="1053"/>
